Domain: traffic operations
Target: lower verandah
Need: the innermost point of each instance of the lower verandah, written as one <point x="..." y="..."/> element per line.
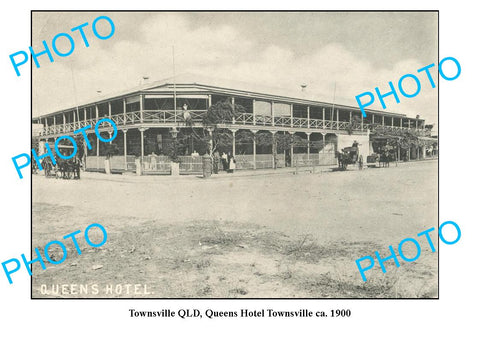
<point x="249" y="153"/>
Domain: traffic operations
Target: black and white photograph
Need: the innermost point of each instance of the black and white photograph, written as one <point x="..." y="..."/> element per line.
<point x="225" y="155"/>
<point x="213" y="170"/>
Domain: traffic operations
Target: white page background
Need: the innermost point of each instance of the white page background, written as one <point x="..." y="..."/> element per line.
<point x="453" y="315"/>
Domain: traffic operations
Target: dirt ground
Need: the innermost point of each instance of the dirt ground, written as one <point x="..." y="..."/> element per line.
<point x="238" y="237"/>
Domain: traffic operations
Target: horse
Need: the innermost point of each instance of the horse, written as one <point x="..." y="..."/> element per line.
<point x="343" y="159"/>
<point x="385" y="159"/>
<point x="47" y="166"/>
<point x="61" y="168"/>
<point x="75" y="167"/>
<point x="349" y="155"/>
<point x="65" y="168"/>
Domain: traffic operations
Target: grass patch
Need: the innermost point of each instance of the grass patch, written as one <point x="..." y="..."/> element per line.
<point x="223" y="259"/>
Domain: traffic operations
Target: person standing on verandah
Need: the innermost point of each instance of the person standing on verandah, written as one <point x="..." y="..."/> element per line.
<point x="187" y="116"/>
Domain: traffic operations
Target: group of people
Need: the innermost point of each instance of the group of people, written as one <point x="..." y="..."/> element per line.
<point x="226" y="160"/>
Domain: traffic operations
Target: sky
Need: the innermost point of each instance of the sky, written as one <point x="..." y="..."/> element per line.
<point x="336" y="54"/>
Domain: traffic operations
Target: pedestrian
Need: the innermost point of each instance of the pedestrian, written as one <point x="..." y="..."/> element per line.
<point x="231" y="163"/>
<point x="153" y="161"/>
<point x="224" y="161"/>
<point x="360" y="162"/>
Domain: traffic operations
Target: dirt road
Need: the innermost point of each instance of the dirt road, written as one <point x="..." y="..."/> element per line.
<point x="261" y="236"/>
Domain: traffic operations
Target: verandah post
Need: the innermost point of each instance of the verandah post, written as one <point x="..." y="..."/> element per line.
<point x="308" y="145"/>
<point x="141" y="108"/>
<point x="233" y="141"/>
<point x="125" y="148"/>
<point x="274" y="150"/>
<point x="338" y="113"/>
<point x="291" y="147"/>
<point x="254" y="149"/>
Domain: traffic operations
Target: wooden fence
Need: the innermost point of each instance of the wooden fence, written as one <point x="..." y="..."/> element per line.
<point x="95" y="163"/>
<point x="193" y="165"/>
<point x="303" y="159"/>
<point x="244" y="162"/>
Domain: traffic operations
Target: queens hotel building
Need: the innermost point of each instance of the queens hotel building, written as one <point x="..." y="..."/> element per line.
<point x="147" y="123"/>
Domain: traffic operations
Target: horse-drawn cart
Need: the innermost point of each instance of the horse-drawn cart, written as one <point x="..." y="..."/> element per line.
<point x="63" y="168"/>
<point x="348" y="155"/>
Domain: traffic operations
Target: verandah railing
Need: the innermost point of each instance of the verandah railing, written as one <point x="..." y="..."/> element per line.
<point x="241" y="119"/>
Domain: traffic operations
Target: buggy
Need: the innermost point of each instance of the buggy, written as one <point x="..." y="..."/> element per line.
<point x="64" y="168"/>
<point x="348" y="155"/>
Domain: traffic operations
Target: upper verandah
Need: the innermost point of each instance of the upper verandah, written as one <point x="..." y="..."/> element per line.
<point x="199" y="84"/>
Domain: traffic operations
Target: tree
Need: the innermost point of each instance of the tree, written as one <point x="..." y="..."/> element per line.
<point x="222" y="112"/>
<point x="392" y="140"/>
<point x="354" y="121"/>
<point x="214" y="136"/>
<point x="280" y="142"/>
